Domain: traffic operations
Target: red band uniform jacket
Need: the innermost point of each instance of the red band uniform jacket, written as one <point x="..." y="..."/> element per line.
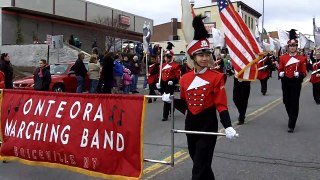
<point x="289" y="64"/>
<point x="170" y="72"/>
<point x="315" y="71"/>
<point x="264" y="68"/>
<point x="203" y="91"/>
<point x="153" y="73"/>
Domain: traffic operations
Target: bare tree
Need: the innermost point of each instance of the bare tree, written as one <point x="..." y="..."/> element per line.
<point x="112" y="33"/>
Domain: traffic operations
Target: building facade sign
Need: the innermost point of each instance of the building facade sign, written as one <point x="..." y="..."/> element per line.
<point x="124" y="20"/>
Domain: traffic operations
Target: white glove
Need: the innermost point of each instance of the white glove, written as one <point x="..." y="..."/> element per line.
<point x="317" y="75"/>
<point x="166" y="97"/>
<point x="281" y="74"/>
<point x="296" y="74"/>
<point x="158" y="86"/>
<point x="170" y="83"/>
<point x="231" y="133"/>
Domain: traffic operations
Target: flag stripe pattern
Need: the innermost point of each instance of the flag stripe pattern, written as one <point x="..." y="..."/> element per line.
<point x="242" y="45"/>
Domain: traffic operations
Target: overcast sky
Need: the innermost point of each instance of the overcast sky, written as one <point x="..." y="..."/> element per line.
<point x="283" y="14"/>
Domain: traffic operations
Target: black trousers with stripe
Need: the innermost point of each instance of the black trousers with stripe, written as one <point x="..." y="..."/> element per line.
<point x="291" y="88"/>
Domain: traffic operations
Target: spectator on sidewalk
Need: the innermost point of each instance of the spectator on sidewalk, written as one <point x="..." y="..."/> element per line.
<point x="94" y="73"/>
<point x="126" y="62"/>
<point x="127" y="80"/>
<point x="135" y="70"/>
<point x="71" y="40"/>
<point x="42" y="76"/>
<point x="6" y="68"/>
<point x="80" y="71"/>
<point x="118" y="72"/>
<point x="107" y="75"/>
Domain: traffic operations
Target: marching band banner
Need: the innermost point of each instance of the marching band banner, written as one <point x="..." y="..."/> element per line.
<point x="97" y="135"/>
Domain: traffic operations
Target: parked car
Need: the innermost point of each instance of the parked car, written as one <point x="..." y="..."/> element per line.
<point x="62" y="79"/>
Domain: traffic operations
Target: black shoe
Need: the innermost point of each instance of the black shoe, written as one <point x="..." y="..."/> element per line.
<point x="134" y="92"/>
<point x="240" y="122"/>
<point x="154" y="99"/>
<point x="290" y="130"/>
<point x="164" y="119"/>
<point x="264" y="93"/>
<point x="150" y="101"/>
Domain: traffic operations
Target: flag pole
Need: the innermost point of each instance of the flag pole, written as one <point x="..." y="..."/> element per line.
<point x="262" y="34"/>
<point x="161" y="61"/>
<point x="314" y="34"/>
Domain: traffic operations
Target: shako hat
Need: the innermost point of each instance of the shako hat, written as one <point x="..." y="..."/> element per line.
<point x="292" y="37"/>
<point x="168" y="51"/>
<point x="200" y="43"/>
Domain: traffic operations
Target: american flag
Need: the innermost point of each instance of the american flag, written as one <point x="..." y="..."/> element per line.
<point x="243" y="48"/>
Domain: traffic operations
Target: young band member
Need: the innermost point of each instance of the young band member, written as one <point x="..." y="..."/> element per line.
<point x="292" y="70"/>
<point x="315" y="75"/>
<point x="169" y="78"/>
<point x="203" y="93"/>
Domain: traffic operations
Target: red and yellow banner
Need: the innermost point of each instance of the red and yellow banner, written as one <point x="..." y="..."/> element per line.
<point x="98" y="135"/>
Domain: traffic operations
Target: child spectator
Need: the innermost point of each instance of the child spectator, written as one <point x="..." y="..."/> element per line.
<point x="127" y="80"/>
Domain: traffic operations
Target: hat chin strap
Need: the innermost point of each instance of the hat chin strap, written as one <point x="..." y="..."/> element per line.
<point x="196" y="64"/>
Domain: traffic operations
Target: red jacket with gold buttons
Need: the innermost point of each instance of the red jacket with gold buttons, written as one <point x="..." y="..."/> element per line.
<point x="170" y="71"/>
<point x="316" y="70"/>
<point x="289" y="64"/>
<point x="202" y="91"/>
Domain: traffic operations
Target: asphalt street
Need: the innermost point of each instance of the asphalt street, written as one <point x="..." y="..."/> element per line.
<point x="264" y="149"/>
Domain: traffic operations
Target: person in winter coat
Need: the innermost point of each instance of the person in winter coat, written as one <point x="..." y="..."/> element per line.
<point x="127" y="80"/>
<point x="80" y="71"/>
<point x="135" y="70"/>
<point x="6" y="68"/>
<point x="42" y="76"/>
<point x="94" y="73"/>
<point x="118" y="72"/>
<point x="107" y="76"/>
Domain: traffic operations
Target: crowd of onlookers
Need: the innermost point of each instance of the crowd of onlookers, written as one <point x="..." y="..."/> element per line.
<point x="109" y="73"/>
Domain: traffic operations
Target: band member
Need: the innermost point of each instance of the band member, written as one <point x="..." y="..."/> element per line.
<point x="274" y="64"/>
<point x="292" y="70"/>
<point x="169" y="78"/>
<point x="264" y="68"/>
<point x="203" y="93"/>
<point x="315" y="75"/>
<point x="185" y="68"/>
<point x="241" y="93"/>
<point x="153" y="76"/>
